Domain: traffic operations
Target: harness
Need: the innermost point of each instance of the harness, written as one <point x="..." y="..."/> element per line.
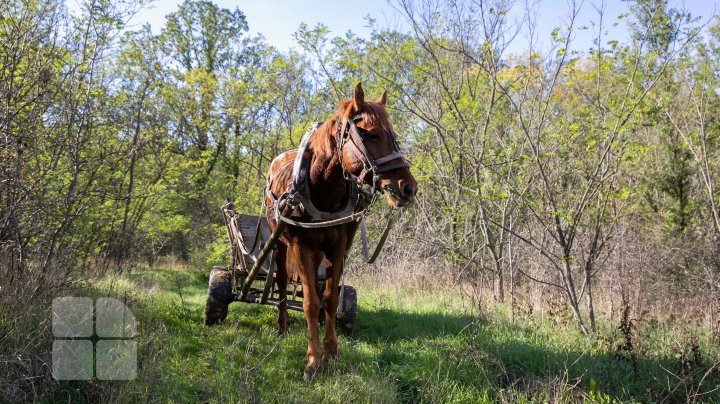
<point x="300" y="184"/>
<point x="359" y="198"/>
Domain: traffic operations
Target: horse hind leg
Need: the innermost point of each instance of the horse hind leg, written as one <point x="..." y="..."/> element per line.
<point x="283" y="267"/>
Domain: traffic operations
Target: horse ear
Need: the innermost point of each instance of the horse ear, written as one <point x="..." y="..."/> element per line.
<point x="382" y="98"/>
<point x="359" y="96"/>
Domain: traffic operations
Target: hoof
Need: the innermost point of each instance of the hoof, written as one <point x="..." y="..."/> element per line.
<point x="331" y="352"/>
<point x="311" y="373"/>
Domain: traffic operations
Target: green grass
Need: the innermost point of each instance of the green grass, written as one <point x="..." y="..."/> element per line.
<point x="409" y="346"/>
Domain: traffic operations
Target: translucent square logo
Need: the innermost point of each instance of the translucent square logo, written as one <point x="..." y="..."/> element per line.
<point x="75" y="321"/>
<point x="113" y="319"/>
<point x="116" y="359"/>
<point x="72" y="359"/>
<point x="72" y="317"/>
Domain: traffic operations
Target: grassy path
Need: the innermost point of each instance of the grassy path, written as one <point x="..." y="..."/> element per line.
<point x="408" y="347"/>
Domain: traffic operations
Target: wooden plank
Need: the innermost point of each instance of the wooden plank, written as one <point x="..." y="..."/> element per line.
<point x="246" y="229"/>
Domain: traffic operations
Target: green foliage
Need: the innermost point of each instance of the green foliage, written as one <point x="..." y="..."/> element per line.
<point x="201" y="35"/>
<point x="214" y="253"/>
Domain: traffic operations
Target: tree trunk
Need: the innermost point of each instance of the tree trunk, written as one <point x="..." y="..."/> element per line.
<point x="590" y="307"/>
<point x="572" y="296"/>
<point x="512" y="275"/>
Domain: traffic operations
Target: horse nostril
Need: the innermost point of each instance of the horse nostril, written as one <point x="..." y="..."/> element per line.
<point x="408" y="190"/>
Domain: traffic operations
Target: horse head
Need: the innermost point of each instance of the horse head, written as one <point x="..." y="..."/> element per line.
<point x="369" y="149"/>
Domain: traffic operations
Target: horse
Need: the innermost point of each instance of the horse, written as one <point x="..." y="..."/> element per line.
<point x="342" y="158"/>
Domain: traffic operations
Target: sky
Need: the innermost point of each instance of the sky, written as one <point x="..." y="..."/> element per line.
<point x="276" y="20"/>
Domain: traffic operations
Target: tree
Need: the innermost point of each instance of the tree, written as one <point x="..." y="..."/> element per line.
<point x="59" y="152"/>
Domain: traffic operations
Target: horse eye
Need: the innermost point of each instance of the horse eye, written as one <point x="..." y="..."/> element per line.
<point x="372" y="136"/>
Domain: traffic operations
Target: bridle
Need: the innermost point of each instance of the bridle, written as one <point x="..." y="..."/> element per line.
<point x="347" y="134"/>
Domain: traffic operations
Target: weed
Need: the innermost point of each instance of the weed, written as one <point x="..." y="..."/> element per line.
<point x="626" y="350"/>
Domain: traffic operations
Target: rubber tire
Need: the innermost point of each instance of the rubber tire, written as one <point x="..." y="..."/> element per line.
<point x="345" y="318"/>
<point x="219" y="296"/>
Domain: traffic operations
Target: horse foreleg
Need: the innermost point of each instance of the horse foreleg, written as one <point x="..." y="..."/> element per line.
<point x="283" y="267"/>
<point x="330" y="302"/>
<point x="308" y="262"/>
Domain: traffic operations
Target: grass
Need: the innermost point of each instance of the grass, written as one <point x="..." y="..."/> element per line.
<point x="409" y="346"/>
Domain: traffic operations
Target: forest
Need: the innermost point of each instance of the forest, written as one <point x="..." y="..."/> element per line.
<point x="576" y="184"/>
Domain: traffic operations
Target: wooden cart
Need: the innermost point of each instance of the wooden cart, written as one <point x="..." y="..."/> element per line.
<point x="226" y="285"/>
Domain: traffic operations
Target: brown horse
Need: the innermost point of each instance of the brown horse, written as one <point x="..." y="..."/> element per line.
<point x="336" y="165"/>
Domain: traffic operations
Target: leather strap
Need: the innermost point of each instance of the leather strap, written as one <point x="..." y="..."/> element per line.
<point x="391" y="156"/>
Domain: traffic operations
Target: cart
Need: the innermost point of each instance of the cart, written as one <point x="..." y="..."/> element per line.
<point x="251" y="276"/>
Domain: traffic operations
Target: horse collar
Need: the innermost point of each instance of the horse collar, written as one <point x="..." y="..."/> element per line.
<point x="300" y="184"/>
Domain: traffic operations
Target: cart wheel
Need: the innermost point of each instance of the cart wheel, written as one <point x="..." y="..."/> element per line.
<point x="347" y="312"/>
<point x="219" y="296"/>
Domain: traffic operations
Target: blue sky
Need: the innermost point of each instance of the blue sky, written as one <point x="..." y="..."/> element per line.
<point x="278" y="19"/>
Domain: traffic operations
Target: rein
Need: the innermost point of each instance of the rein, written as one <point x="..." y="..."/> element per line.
<point x="380" y="244"/>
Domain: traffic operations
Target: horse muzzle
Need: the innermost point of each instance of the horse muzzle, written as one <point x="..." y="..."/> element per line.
<point x="401" y="198"/>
